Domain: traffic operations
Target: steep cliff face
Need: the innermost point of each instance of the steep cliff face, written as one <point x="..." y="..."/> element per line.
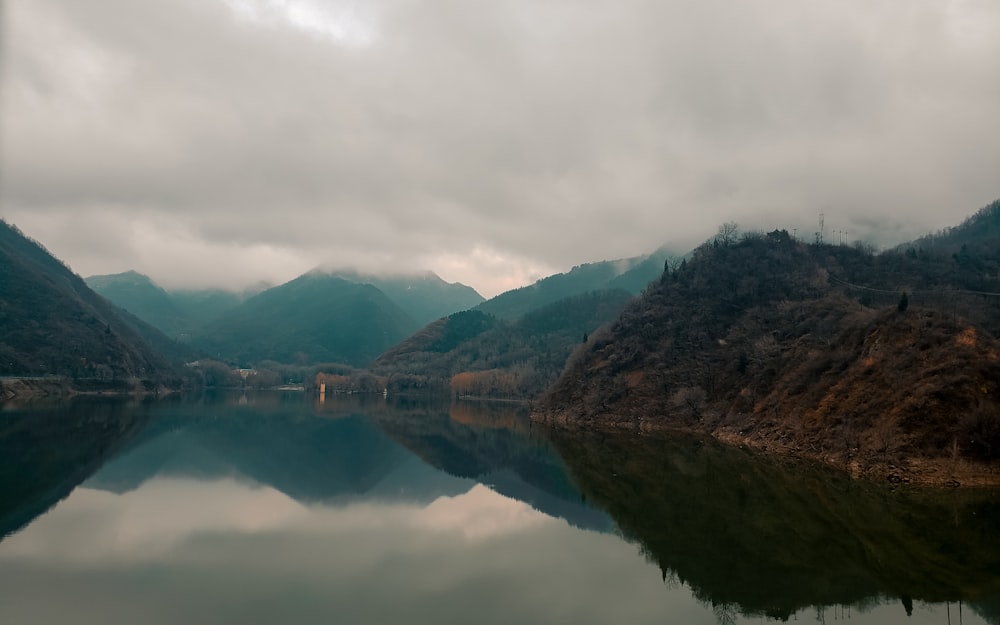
<point x="766" y="342"/>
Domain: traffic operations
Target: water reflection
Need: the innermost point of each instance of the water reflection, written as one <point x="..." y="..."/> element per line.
<point x="492" y="443"/>
<point x="277" y="440"/>
<point x="758" y="536"/>
<point x="273" y="507"/>
<point x="47" y="449"/>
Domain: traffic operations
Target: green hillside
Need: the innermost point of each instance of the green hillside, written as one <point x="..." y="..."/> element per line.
<point x="313" y="318"/>
<point x="629" y="274"/>
<point x="501" y="358"/>
<point x="425" y="297"/>
<point x="198" y="307"/>
<point x="52" y="323"/>
<point x="978" y="234"/>
<point x="516" y="344"/>
<point x="140" y="296"/>
<point x="176" y="313"/>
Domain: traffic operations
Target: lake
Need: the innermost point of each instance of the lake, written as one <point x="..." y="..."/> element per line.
<point x="278" y="508"/>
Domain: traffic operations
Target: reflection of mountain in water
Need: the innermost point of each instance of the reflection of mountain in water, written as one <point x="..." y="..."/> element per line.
<point x="340" y="450"/>
<point x="279" y="441"/>
<point x="46" y="451"/>
<point x="746" y="533"/>
<point x="311" y="452"/>
<point x="775" y="537"/>
<point x="494" y="444"/>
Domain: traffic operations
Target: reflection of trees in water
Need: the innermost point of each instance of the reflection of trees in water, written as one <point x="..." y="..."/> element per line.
<point x="988" y="609"/>
<point x="494" y="443"/>
<point x="46" y="450"/>
<point x="313" y="450"/>
<point x="469" y="439"/>
<point x="725" y="613"/>
<point x="776" y="536"/>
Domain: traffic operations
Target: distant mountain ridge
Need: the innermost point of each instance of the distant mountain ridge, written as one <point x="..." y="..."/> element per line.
<point x="516" y="344"/>
<point x="220" y="322"/>
<point x="139" y="295"/>
<point x="175" y="313"/>
<point x="424" y="296"/>
<point x="979" y="230"/>
<point x="309" y="319"/>
<point x="201" y="306"/>
<point x="314" y="318"/>
<point x="474" y="353"/>
<point x="627" y="274"/>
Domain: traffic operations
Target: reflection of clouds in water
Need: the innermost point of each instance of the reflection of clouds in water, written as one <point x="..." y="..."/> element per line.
<point x="145" y="524"/>
<point x="480" y="514"/>
<point x="236" y="553"/>
<point x="94" y="525"/>
<point x="477" y="557"/>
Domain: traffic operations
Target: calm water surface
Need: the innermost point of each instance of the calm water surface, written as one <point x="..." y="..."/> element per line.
<point x="273" y="508"/>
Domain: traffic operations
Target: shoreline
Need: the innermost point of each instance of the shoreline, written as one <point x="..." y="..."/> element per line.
<point x="918" y="471"/>
<point x="29" y="388"/>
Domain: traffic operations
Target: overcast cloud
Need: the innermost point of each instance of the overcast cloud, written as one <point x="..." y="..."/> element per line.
<point x="220" y="142"/>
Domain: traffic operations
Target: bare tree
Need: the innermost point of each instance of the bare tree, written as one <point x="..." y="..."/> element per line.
<point x="727" y="233"/>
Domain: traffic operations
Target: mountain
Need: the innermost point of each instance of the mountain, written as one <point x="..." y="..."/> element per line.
<point x="314" y="318"/>
<point x="474" y="353"/>
<point x="425" y="297"/>
<point x="865" y="361"/>
<point x="201" y="306"/>
<point x="176" y="313"/>
<point x="629" y="274"/>
<point x="140" y="296"/>
<point x="978" y="232"/>
<point x="516" y="344"/>
<point x="51" y="322"/>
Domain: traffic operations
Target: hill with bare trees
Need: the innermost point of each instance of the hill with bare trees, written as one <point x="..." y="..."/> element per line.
<point x="886" y="364"/>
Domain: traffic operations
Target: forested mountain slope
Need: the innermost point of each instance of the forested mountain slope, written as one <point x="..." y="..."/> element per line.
<point x="514" y="345"/>
<point x="978" y="235"/>
<point x="833" y="352"/>
<point x="425" y="297"/>
<point x="176" y="313"/>
<point x="139" y="295"/>
<point x="474" y="353"/>
<point x="52" y="323"/>
<point x="313" y="318"/>
<point x="628" y="274"/>
<point x="422" y="298"/>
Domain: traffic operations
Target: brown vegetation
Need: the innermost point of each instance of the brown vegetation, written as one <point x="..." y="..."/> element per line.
<point x="806" y="350"/>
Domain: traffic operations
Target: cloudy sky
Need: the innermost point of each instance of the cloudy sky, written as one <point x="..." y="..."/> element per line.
<point x="221" y="142"/>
